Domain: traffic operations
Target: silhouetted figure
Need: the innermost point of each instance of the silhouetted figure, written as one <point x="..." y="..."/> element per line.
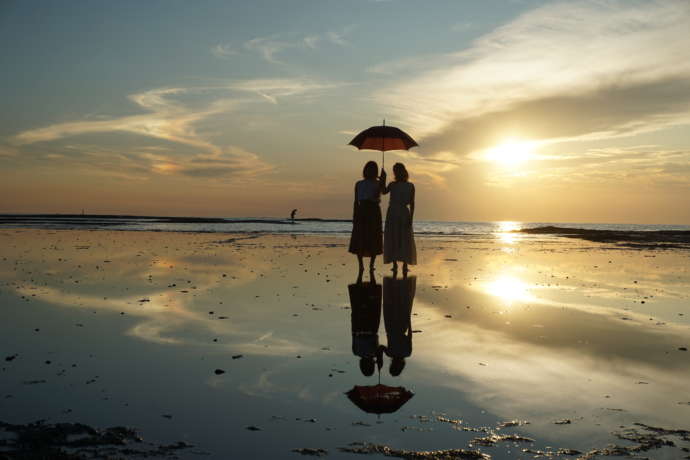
<point x="398" y="245"/>
<point x="367" y="235"/>
<point x="365" y="304"/>
<point x="398" y="297"/>
<point x="292" y="215"/>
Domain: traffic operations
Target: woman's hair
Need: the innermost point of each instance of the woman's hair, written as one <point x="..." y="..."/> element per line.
<point x="400" y="172"/>
<point x="371" y="170"/>
<point x="367" y="366"/>
<point x="397" y="366"/>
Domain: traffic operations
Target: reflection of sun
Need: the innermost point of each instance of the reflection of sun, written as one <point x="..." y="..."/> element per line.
<point x="505" y="230"/>
<point x="511" y="152"/>
<point x="509" y="289"/>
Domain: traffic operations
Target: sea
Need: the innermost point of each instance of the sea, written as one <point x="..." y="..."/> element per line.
<point x="273" y="225"/>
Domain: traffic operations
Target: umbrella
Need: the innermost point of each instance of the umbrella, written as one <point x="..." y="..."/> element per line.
<point x="383" y="138"/>
<point x="379" y="399"/>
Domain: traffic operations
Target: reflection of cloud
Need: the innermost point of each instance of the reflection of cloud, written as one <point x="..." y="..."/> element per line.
<point x="531" y="380"/>
<point x="533" y="356"/>
<point x="628" y="71"/>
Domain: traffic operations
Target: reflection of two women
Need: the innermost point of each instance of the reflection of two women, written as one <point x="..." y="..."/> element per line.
<point x="365" y="301"/>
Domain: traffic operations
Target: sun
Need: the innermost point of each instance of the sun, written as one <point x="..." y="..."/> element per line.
<point x="511" y="152"/>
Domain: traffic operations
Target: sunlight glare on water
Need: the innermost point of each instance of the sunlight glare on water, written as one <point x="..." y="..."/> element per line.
<point x="506" y="232"/>
<point x="509" y="288"/>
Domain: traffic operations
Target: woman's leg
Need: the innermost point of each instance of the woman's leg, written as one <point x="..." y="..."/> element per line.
<point x="371" y="263"/>
<point x="361" y="262"/>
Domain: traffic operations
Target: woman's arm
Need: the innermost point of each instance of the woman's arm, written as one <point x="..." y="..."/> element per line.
<point x="382" y="183"/>
<point x="412" y="205"/>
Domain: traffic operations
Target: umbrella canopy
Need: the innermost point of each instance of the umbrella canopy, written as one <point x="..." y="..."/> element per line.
<point x="383" y="138"/>
<point x="379" y="399"/>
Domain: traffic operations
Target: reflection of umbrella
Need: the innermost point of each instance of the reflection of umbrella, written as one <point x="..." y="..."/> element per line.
<point x="383" y="138"/>
<point x="379" y="399"/>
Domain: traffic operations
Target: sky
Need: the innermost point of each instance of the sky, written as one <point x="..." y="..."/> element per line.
<point x="534" y="111"/>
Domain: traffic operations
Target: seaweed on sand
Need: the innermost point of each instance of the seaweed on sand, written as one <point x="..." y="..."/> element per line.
<point x="77" y="441"/>
<point x="449" y="454"/>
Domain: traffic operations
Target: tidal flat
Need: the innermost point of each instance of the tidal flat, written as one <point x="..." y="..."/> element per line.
<point x="206" y="345"/>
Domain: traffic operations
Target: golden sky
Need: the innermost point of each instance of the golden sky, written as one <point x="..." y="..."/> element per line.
<point x="573" y="111"/>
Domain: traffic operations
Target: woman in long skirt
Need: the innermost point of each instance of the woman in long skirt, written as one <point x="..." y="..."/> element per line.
<point x="399" y="243"/>
<point x="367" y="236"/>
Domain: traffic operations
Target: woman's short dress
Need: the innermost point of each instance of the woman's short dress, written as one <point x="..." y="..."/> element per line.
<point x="367" y="233"/>
<point x="399" y="243"/>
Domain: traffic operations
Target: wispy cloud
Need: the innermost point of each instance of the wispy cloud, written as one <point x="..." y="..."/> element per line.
<point x="273" y="89"/>
<point x="639" y="166"/>
<point x="268" y="47"/>
<point x="311" y="41"/>
<point x="271" y="46"/>
<point x="8" y="151"/>
<point x="167" y="119"/>
<point x="170" y="119"/>
<point x="339" y="37"/>
<point x="224" y="50"/>
<point x="565" y="70"/>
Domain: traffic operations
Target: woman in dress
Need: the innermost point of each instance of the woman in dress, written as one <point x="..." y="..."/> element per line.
<point x="367" y="236"/>
<point x="399" y="239"/>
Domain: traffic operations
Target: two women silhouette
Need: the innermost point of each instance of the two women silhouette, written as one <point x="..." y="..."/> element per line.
<point x="365" y="303"/>
<point x="367" y="238"/>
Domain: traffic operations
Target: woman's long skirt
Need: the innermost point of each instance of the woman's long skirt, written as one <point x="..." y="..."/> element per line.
<point x="367" y="235"/>
<point x="398" y="245"/>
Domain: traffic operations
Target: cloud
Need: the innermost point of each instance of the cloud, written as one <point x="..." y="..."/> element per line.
<point x="167" y="120"/>
<point x="311" y="41"/>
<point x="639" y="165"/>
<point x="565" y="70"/>
<point x="231" y="162"/>
<point x="273" y="89"/>
<point x="170" y="119"/>
<point x="268" y="47"/>
<point x="224" y="50"/>
<point x="8" y="151"/>
<point x="338" y="37"/>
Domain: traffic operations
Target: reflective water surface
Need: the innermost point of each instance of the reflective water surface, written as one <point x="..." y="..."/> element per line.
<point x="247" y="345"/>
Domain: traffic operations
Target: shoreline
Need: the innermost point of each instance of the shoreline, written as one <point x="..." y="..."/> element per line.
<point x="632" y="240"/>
<point x="153" y="329"/>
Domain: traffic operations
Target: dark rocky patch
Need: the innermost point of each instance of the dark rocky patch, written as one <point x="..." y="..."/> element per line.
<point x="77" y="441"/>
<point x="311" y="451"/>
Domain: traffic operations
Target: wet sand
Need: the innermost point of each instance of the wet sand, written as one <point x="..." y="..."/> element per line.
<point x="241" y="346"/>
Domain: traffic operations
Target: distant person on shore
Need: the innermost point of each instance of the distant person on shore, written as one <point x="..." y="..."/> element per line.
<point x="292" y="215"/>
<point x="367" y="235"/>
<point x="399" y="243"/>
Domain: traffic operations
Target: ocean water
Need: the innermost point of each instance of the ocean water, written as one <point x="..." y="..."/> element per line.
<point x="285" y="226"/>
